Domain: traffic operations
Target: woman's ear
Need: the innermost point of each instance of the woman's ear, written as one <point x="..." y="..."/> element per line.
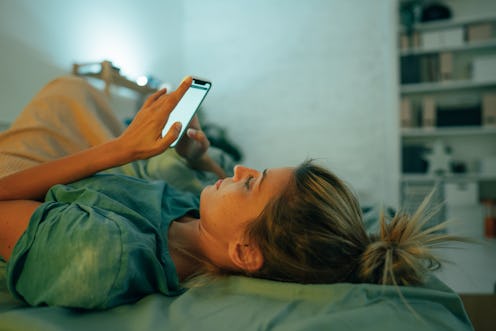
<point x="247" y="257"/>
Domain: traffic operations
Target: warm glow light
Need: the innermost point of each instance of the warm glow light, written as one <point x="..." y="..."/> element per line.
<point x="142" y="81"/>
<point x="110" y="38"/>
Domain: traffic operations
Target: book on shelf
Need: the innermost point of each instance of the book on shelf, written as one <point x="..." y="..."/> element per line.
<point x="426" y="68"/>
<point x="429" y="112"/>
<point x="430" y="70"/>
<point x="489" y="109"/>
<point x="410" y="40"/>
<point x="446" y="65"/>
<point x="408" y="114"/>
<point x="433" y="39"/>
<point x="480" y="31"/>
<point x="410" y="69"/>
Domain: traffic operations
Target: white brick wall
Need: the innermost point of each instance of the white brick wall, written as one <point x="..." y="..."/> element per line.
<point x="291" y="79"/>
<point x="298" y="79"/>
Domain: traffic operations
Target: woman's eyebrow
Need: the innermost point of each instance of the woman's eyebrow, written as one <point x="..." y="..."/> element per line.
<point x="261" y="179"/>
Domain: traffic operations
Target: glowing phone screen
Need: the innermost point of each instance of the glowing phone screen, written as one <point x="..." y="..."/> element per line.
<point x="187" y="107"/>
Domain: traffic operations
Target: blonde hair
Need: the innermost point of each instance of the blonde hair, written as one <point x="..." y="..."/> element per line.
<point x="402" y="252"/>
<point x="314" y="233"/>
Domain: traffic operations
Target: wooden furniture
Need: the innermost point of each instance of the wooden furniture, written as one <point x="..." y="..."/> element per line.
<point x="110" y="74"/>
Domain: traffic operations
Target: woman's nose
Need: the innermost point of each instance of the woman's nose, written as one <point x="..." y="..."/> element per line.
<point x="241" y="172"/>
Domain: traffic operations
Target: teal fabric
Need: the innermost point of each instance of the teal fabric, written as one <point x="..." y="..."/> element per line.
<point x="98" y="243"/>
<point x="239" y="303"/>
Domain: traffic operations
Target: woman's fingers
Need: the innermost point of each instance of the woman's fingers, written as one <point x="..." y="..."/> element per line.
<point x="184" y="86"/>
<point x="173" y="97"/>
<point x="169" y="101"/>
<point x="143" y="136"/>
<point x="198" y="136"/>
<point x="170" y="136"/>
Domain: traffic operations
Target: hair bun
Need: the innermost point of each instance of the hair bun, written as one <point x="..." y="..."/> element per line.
<point x="401" y="254"/>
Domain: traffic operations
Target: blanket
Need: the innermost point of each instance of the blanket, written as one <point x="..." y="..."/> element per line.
<point x="66" y="116"/>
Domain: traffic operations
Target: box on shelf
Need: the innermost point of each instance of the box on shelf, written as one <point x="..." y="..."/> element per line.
<point x="459" y="112"/>
<point x="462" y="193"/>
<point x="479" y="31"/>
<point x="487" y="165"/>
<point x="484" y="68"/>
<point x="443" y="38"/>
<point x="489" y="109"/>
<point x="428" y="112"/>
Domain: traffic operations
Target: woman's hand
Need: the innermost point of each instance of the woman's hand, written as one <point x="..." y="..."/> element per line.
<point x="143" y="137"/>
<point x="194" y="144"/>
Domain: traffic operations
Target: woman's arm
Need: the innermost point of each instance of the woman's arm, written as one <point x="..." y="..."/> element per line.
<point x="141" y="140"/>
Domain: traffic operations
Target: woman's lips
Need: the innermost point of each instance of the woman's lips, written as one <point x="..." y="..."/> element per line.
<point x="217" y="184"/>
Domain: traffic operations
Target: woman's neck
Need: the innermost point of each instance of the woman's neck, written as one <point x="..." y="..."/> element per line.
<point x="183" y="246"/>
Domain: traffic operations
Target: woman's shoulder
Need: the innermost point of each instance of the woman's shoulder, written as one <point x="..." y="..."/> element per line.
<point x="135" y="193"/>
<point x="119" y="188"/>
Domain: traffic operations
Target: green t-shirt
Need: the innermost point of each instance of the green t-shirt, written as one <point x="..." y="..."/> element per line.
<point x="98" y="243"/>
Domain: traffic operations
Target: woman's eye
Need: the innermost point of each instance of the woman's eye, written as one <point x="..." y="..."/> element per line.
<point x="247" y="183"/>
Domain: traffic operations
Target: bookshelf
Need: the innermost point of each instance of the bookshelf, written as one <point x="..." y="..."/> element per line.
<point x="448" y="114"/>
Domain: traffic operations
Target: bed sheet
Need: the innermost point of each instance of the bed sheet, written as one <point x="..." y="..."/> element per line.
<point x="240" y="303"/>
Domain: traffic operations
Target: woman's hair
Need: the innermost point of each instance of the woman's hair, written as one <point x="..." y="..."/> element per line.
<point x="314" y="233"/>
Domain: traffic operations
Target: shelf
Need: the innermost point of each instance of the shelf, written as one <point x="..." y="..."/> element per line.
<point x="444" y="86"/>
<point x="474" y="45"/>
<point x="447" y="178"/>
<point x="443" y="24"/>
<point x="448" y="131"/>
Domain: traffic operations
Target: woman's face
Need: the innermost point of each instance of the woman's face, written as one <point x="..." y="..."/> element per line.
<point x="227" y="206"/>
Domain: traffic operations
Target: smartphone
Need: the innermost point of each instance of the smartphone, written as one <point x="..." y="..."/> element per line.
<point x="187" y="106"/>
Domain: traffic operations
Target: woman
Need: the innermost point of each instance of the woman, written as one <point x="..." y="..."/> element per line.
<point x="102" y="240"/>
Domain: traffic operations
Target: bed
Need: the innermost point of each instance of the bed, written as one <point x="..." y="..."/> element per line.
<point x="69" y="114"/>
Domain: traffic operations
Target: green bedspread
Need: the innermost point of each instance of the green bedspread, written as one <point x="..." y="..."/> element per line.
<point x="239" y="303"/>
